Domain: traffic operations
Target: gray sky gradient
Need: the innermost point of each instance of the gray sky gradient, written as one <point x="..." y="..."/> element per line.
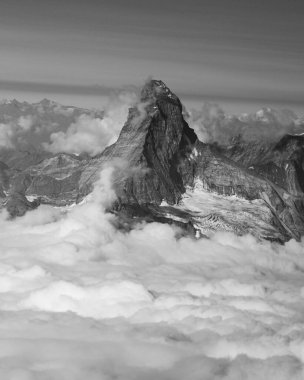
<point x="231" y="51"/>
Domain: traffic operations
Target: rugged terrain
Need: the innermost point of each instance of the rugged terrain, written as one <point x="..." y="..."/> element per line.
<point x="164" y="173"/>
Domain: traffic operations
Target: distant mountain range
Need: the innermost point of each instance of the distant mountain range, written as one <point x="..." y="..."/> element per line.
<point x="26" y="126"/>
<point x="162" y="171"/>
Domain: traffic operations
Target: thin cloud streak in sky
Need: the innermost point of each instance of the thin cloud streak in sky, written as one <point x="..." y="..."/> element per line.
<point x="54" y="88"/>
<point x="246" y="50"/>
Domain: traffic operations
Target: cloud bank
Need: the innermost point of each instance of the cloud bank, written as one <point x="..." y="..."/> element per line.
<point x="212" y="124"/>
<point x="13" y="132"/>
<point x="49" y="126"/>
<point x="90" y="134"/>
<point x="80" y="299"/>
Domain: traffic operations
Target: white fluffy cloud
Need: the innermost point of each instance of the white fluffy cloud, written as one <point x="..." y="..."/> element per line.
<point x="80" y="299"/>
<point x="212" y="124"/>
<point x="6" y="134"/>
<point x="26" y="122"/>
<point x="87" y="134"/>
<point x="90" y="134"/>
<point x="14" y="131"/>
<point x="59" y="128"/>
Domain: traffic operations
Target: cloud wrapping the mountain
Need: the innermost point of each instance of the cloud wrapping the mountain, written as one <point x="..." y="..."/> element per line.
<point x="90" y="134"/>
<point x="26" y="122"/>
<point x="87" y="134"/>
<point x="14" y="132"/>
<point x="55" y="128"/>
<point x="212" y="124"/>
<point x="81" y="299"/>
<point x="6" y="134"/>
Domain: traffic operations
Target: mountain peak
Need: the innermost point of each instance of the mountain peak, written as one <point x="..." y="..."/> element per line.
<point x="157" y="89"/>
<point x="153" y="144"/>
<point x="47" y="102"/>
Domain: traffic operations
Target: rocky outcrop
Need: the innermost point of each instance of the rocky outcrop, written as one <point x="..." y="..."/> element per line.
<point x="4" y="179"/>
<point x="281" y="162"/>
<point x="223" y="176"/>
<point x="17" y="204"/>
<point x="281" y="165"/>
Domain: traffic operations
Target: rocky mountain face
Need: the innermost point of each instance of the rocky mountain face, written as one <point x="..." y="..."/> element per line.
<point x="164" y="173"/>
<point x="281" y="161"/>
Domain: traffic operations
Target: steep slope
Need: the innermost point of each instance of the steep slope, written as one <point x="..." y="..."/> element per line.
<point x="281" y="161"/>
<point x="150" y="151"/>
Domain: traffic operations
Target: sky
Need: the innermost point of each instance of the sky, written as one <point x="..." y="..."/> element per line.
<point x="240" y="54"/>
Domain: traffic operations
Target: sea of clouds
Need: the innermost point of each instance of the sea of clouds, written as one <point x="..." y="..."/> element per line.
<point x="80" y="299"/>
<point x="212" y="124"/>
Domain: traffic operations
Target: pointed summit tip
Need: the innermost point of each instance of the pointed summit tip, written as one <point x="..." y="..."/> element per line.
<point x="155" y="89"/>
